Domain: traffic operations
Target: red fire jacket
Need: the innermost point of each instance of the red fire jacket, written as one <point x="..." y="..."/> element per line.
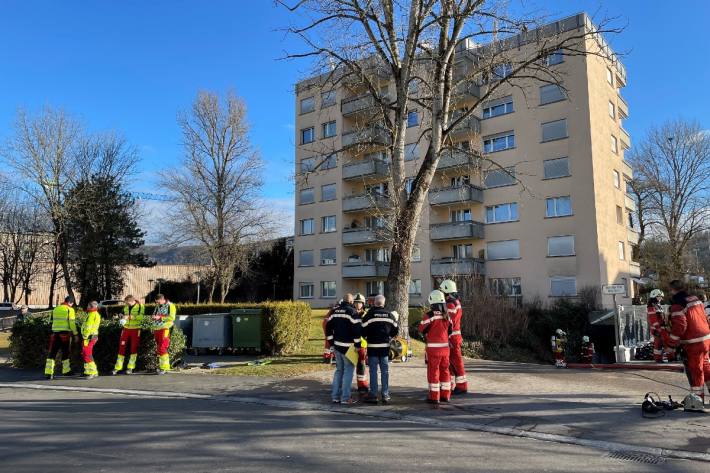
<point x="689" y="325"/>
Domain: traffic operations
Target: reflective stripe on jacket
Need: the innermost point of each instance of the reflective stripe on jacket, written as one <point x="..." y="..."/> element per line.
<point x="436" y="327"/>
<point x="453" y="308"/>
<point x="689" y="323"/>
<point x="134" y="315"/>
<point x="344" y="328"/>
<point x="378" y="328"/>
<point x="166" y="316"/>
<point x="90" y="328"/>
<point x="64" y="319"/>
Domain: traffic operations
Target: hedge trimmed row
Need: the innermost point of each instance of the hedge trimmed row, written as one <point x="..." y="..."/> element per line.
<point x="29" y="340"/>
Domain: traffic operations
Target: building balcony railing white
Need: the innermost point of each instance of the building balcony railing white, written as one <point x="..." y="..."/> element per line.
<point x="469" y="125"/>
<point x="455" y="195"/>
<point x="373" y="135"/>
<point x="456" y="231"/>
<point x="625" y="138"/>
<point x="365" y="270"/>
<point x="365" y="103"/>
<point x="365" y="169"/>
<point x="453" y="159"/>
<point x="449" y="267"/>
<point x="363" y="236"/>
<point x="356" y="203"/>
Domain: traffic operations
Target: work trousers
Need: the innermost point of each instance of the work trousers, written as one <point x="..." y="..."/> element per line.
<point x="437" y="372"/>
<point x="129" y="336"/>
<point x="457" y="369"/>
<point x="698" y="366"/>
<point x="58" y="341"/>
<point x="87" y="354"/>
<point x="162" y="343"/>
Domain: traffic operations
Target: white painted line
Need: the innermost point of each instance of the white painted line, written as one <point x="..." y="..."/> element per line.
<point x="369" y="412"/>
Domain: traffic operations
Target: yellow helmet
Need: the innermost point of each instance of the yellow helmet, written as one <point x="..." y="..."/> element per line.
<point x="448" y="286"/>
<point x="437" y="297"/>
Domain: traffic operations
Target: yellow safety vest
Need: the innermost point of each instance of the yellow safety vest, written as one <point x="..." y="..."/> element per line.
<point x="64" y="319"/>
<point x="91" y="324"/>
<point x="135" y="315"/>
<point x="166" y="312"/>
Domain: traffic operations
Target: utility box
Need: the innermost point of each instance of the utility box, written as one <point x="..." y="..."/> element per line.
<point x="246" y="329"/>
<point x="211" y="331"/>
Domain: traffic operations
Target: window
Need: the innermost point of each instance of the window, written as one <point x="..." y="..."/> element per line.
<point x="377" y="189"/>
<point x="499" y="143"/>
<point x="509" y="249"/>
<point x="614" y="144"/>
<point x="499" y="177"/>
<point x="374" y="222"/>
<point x="306" y="226"/>
<point x="328" y="192"/>
<point x="411" y="152"/>
<point x="327" y="256"/>
<point x="555" y="57"/>
<point x="327" y="289"/>
<point x="305" y="290"/>
<point x="306" y="196"/>
<point x="617" y="179"/>
<point x="609" y="76"/>
<point x="305" y="258"/>
<point x="308" y="165"/>
<point x="416" y="254"/>
<point x="373" y="255"/>
<point x="374" y="287"/>
<point x="554" y="168"/>
<point x="622" y="251"/>
<point x="562" y="286"/>
<point x="307" y="135"/>
<point x="502" y="71"/>
<point x="459" y="181"/>
<point x="463" y="215"/>
<point x="463" y="251"/>
<point x="413" y="87"/>
<point x="308" y="104"/>
<point x="412" y="119"/>
<point x="632" y="223"/>
<point x="328" y="224"/>
<point x="551" y="93"/>
<point x="506" y="287"/>
<point x="327" y="99"/>
<point x="619" y="215"/>
<point x="560" y="245"/>
<point x="409" y="185"/>
<point x="554" y="130"/>
<point x="612" y="110"/>
<point x="498" y="107"/>
<point x="329" y="162"/>
<point x="415" y="286"/>
<point x="329" y="129"/>
<point x="502" y="213"/>
<point x="558" y="206"/>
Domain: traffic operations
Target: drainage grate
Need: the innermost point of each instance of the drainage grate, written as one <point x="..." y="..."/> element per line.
<point x="636" y="457"/>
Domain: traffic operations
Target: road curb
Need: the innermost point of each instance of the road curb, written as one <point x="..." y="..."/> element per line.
<point x="624" y="366"/>
<point x="370" y="412"/>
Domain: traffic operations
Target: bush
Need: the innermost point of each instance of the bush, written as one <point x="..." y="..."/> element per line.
<point x="29" y="340"/>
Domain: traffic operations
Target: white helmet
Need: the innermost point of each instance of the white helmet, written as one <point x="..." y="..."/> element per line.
<point x="585" y="339"/>
<point x="559" y="332"/>
<point x="437" y="297"/>
<point x="395" y="314"/>
<point x="693" y="403"/>
<point x="656" y="293"/>
<point x="448" y="286"/>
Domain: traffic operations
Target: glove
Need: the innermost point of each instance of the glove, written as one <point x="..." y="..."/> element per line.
<point x="122" y="322"/>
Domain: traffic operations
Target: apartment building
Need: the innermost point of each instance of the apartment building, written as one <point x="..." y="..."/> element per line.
<point x="567" y="227"/>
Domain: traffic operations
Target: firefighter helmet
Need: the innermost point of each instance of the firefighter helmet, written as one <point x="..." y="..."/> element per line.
<point x="447" y="286"/>
<point x="585" y="339"/>
<point x="656" y="293"/>
<point x="395" y="314"/>
<point x="694" y="403"/>
<point x="437" y="297"/>
<point x="359" y="298"/>
<point x="560" y="333"/>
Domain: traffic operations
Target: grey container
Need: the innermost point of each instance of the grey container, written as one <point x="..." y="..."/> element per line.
<point x="184" y="322"/>
<point x="211" y="331"/>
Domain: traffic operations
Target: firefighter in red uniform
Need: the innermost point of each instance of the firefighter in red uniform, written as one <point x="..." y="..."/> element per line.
<point x="363" y="385"/>
<point x="559" y="343"/>
<point x="436" y="327"/>
<point x="654" y="312"/>
<point x="587" y="354"/>
<point x="453" y="308"/>
<point x="690" y="330"/>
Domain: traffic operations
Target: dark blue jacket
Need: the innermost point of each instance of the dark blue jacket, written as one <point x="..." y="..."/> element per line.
<point x="378" y="327"/>
<point x="343" y="328"/>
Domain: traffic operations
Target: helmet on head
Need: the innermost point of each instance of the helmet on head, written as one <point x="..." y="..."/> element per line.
<point x="359" y="298"/>
<point x="447" y="286"/>
<point x="585" y="339"/>
<point x="656" y="293"/>
<point x="437" y="297"/>
<point x="395" y="314"/>
<point x="559" y="332"/>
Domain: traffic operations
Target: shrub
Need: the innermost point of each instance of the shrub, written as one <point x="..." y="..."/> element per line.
<point x="29" y="340"/>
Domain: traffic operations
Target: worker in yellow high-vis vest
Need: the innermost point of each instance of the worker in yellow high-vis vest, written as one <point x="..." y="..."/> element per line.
<point x="163" y="320"/>
<point x="90" y="335"/>
<point x="132" y="322"/>
<point x="63" y="329"/>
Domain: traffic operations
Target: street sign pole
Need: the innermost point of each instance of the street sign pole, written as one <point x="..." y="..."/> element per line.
<point x="617" y="336"/>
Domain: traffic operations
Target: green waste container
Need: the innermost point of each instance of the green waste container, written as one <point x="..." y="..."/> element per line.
<point x="246" y="329"/>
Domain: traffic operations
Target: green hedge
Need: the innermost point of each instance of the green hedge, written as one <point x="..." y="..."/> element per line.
<point x="286" y="326"/>
<point x="29" y="340"/>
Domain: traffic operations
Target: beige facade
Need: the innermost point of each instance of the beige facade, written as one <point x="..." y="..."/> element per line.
<point x="564" y="227"/>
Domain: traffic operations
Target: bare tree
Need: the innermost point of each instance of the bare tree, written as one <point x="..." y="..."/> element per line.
<point x="672" y="165"/>
<point x="428" y="54"/>
<point x="216" y="191"/>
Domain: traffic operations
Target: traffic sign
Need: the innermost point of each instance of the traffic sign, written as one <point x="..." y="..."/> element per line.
<point x="613" y="289"/>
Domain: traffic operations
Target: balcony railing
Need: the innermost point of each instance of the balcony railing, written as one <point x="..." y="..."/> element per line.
<point x="363" y="169"/>
<point x="625" y="138"/>
<point x="355" y="203"/>
<point x="362" y="236"/>
<point x="470" y="125"/>
<point x="634" y="268"/>
<point x="371" y="135"/>
<point x="457" y="267"/>
<point x="629" y="202"/>
<point x="361" y="103"/>
<point x="633" y="236"/>
<point x="455" y="195"/>
<point x="466" y="90"/>
<point x="452" y="159"/>
<point x="623" y="106"/>
<point x="360" y="270"/>
<point x="456" y="231"/>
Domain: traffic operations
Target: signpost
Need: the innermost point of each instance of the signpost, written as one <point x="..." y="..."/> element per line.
<point x="613" y="290"/>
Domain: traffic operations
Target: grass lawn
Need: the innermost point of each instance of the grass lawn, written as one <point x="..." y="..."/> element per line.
<point x="308" y="360"/>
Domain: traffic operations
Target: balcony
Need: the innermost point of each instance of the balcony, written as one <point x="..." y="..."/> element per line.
<point x="453" y="159"/>
<point x="623" y="106"/>
<point x="366" y="270"/>
<point x="357" y="203"/>
<point x="632" y="236"/>
<point x="362" y="236"/>
<point x="373" y="135"/>
<point x="629" y="202"/>
<point x="456" y="195"/>
<point x="362" y="104"/>
<point x="625" y="138"/>
<point x="456" y="267"/>
<point x="466" y="90"/>
<point x="470" y="125"/>
<point x="634" y="269"/>
<point x="456" y="231"/>
<point x="372" y="168"/>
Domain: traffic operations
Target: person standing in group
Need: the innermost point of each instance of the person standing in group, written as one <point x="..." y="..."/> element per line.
<point x="63" y="330"/>
<point x="328" y="351"/>
<point x="379" y="326"/>
<point x="654" y="314"/>
<point x="343" y="330"/>
<point x="163" y="320"/>
<point x="453" y="308"/>
<point x="24" y="313"/>
<point x="132" y="322"/>
<point x="89" y="336"/>
<point x="361" y="368"/>
<point x="436" y="327"/>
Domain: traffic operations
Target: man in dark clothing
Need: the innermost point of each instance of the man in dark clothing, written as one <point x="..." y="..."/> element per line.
<point x="343" y="331"/>
<point x="378" y="328"/>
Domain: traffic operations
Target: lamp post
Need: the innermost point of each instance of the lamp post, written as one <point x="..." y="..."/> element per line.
<point x="160" y="282"/>
<point x="199" y="278"/>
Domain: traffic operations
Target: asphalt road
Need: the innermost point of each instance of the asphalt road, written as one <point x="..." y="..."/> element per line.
<point x="57" y="432"/>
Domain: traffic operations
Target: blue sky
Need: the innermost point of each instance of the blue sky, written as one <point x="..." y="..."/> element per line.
<point x="131" y="65"/>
